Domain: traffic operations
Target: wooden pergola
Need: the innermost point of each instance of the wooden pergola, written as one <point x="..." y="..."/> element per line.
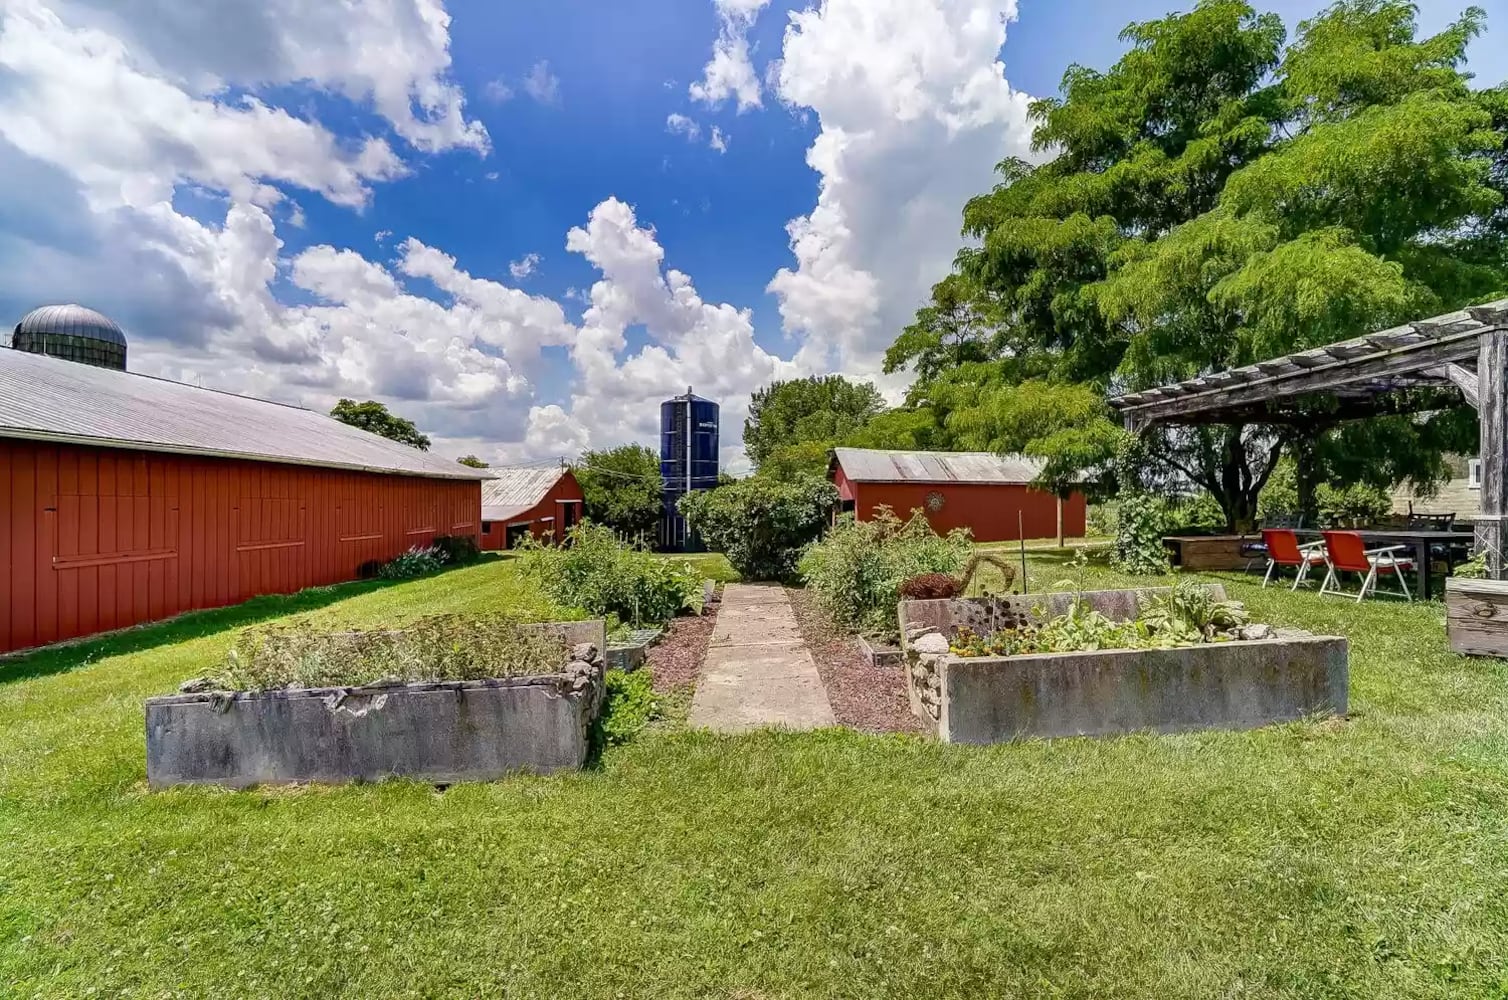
<point x="1451" y="360"/>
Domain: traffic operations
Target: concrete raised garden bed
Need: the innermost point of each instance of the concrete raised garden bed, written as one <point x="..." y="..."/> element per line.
<point x="880" y="654"/>
<point x="442" y="732"/>
<point x="630" y="653"/>
<point x="1243" y="684"/>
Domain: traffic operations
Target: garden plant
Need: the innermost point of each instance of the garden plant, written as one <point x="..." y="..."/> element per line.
<point x="857" y="569"/>
<point x="603" y="576"/>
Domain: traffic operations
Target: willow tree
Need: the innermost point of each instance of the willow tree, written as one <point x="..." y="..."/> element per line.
<point x="1220" y="196"/>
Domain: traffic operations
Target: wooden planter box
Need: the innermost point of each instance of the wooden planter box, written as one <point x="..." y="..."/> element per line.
<point x="1476" y="616"/>
<point x="1210" y="553"/>
<point x="440" y="732"/>
<point x="1225" y="685"/>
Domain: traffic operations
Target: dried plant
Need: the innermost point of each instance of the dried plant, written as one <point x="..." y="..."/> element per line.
<point x="437" y="648"/>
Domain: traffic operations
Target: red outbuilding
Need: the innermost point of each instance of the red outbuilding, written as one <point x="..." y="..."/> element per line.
<point x="125" y="498"/>
<point x="989" y="494"/>
<point x="528" y="501"/>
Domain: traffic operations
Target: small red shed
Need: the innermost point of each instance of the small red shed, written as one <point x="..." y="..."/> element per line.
<point x="126" y="498"/>
<point x="525" y="500"/>
<point x="989" y="494"/>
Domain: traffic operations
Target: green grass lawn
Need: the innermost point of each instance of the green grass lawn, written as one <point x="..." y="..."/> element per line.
<point x="1366" y="858"/>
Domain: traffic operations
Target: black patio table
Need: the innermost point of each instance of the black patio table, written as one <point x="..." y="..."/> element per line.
<point x="1419" y="541"/>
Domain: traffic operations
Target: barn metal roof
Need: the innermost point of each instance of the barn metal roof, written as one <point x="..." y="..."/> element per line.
<point x="516" y="489"/>
<point x="49" y="399"/>
<point x="864" y="465"/>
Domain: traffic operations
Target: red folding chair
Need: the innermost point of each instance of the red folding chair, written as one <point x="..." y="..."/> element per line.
<point x="1347" y="553"/>
<point x="1283" y="549"/>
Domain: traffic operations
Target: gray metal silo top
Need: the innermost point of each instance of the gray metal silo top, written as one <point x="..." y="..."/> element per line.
<point x="73" y="321"/>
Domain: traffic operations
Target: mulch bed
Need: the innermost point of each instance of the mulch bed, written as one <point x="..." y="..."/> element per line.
<point x="869" y="699"/>
<point x="676" y="659"/>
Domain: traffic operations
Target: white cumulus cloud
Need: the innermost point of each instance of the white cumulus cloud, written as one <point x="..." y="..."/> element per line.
<point x="915" y="110"/>
<point x="524" y="266"/>
<point x="542" y="85"/>
<point x="679" y="124"/>
<point x="730" y="71"/>
<point x="394" y="53"/>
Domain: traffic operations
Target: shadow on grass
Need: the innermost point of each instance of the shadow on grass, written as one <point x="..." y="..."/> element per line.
<point x="62" y="657"/>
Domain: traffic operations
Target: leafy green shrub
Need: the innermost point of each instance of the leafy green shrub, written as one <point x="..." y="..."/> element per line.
<point x="416" y="561"/>
<point x="596" y="572"/>
<point x="856" y="571"/>
<point x="1102" y="518"/>
<point x="457" y="550"/>
<point x="630" y="705"/>
<point x="1357" y="505"/>
<point x="762" y="525"/>
<point x="1139" y="532"/>
<point x="1190" y="610"/>
<point x="1199" y="512"/>
<point x="436" y="648"/>
<point x="1474" y="568"/>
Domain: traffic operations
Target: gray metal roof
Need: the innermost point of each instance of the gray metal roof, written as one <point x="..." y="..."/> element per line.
<point x="864" y="465"/>
<point x="516" y="489"/>
<point x="74" y="321"/>
<point x="48" y="399"/>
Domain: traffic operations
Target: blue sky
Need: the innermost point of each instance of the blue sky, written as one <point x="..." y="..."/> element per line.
<point x="292" y="274"/>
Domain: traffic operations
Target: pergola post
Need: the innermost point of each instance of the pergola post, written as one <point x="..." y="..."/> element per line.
<point x="1492" y="417"/>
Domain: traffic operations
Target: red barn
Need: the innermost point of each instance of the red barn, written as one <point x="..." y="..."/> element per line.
<point x="524" y="501"/>
<point x="988" y="494"/>
<point x="125" y="498"/>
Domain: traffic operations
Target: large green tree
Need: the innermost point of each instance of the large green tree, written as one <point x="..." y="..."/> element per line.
<point x="1217" y="197"/>
<point x="820" y="409"/>
<point x="375" y="417"/>
<point x="622" y="487"/>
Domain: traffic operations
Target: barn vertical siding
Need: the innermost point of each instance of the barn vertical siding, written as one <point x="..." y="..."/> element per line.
<point x="988" y="510"/>
<point x="93" y="539"/>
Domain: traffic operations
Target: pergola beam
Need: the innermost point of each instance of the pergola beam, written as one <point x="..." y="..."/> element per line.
<point x="1434" y="351"/>
<point x="1462" y="378"/>
<point x="1330" y="374"/>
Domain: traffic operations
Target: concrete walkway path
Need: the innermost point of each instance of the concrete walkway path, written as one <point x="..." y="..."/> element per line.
<point x="758" y="671"/>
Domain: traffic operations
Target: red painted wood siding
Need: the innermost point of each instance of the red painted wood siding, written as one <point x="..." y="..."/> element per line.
<point x="93" y="539"/>
<point x="988" y="509"/>
<point x="566" y="488"/>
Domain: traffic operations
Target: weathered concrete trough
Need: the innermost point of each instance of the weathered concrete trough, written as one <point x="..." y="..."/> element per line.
<point x="631" y="653"/>
<point x="442" y="732"/>
<point x="1223" y="685"/>
<point x="880" y="654"/>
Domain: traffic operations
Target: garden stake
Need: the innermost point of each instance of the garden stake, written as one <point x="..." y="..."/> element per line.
<point x="1021" y="534"/>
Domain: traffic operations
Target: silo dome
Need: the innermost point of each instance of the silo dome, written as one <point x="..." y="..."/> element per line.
<point x="73" y="333"/>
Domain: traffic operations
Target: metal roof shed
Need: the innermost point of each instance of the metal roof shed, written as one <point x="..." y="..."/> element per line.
<point x="528" y="499"/>
<point x="990" y="495"/>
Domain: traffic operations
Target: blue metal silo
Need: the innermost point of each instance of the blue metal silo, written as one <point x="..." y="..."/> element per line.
<point x="688" y="461"/>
